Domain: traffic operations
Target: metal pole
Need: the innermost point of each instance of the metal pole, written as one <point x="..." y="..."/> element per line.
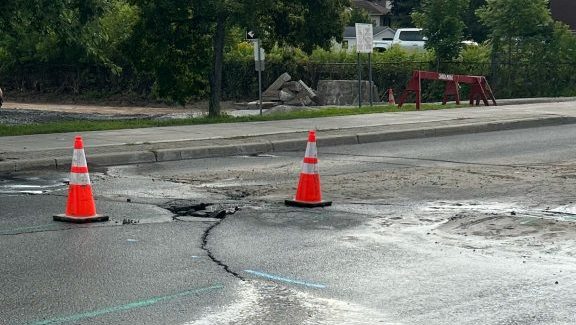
<point x="370" y="77"/>
<point x="359" y="82"/>
<point x="259" y="63"/>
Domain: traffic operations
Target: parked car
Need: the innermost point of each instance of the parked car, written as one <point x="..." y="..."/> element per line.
<point x="411" y="39"/>
<point x="381" y="45"/>
<point x="469" y="44"/>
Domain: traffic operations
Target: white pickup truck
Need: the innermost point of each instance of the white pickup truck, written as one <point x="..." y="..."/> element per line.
<point x="411" y="39"/>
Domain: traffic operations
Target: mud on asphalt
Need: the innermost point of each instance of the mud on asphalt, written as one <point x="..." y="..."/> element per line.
<point x="518" y="208"/>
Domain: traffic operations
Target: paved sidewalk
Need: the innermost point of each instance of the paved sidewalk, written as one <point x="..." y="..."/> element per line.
<point x="106" y="148"/>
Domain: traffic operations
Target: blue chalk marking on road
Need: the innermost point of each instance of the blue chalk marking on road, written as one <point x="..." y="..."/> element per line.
<point x="283" y="279"/>
<point x="129" y="306"/>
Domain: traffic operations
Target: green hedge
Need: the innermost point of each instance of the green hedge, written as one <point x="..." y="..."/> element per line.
<point x="391" y="69"/>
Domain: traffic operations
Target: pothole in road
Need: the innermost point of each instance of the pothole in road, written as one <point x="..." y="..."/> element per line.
<point x="186" y="210"/>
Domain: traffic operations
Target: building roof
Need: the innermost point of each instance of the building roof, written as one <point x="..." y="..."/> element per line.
<point x="565" y="11"/>
<point x="350" y="31"/>
<point x="372" y="8"/>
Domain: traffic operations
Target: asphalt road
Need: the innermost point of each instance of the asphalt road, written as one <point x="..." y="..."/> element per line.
<point x="388" y="251"/>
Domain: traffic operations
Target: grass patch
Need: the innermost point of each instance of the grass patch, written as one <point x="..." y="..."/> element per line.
<point x="87" y="125"/>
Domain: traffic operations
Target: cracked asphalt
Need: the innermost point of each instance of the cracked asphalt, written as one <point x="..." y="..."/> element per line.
<point x="467" y="229"/>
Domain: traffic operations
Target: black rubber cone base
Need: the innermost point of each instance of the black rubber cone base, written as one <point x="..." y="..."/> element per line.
<point x="65" y="218"/>
<point x="300" y="204"/>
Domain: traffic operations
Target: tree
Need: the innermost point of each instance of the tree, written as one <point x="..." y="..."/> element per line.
<point x="172" y="46"/>
<point x="514" y="19"/>
<point x="181" y="42"/>
<point x="360" y="16"/>
<point x="474" y="29"/>
<point x="443" y="25"/>
<point x="402" y="11"/>
<point x="514" y="23"/>
<point x="62" y="31"/>
<point x="524" y="36"/>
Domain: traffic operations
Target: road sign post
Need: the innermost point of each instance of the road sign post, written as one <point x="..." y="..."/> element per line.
<point x="258" y="62"/>
<point x="364" y="38"/>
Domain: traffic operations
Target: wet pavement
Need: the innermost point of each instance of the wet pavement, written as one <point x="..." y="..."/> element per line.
<point x="453" y="230"/>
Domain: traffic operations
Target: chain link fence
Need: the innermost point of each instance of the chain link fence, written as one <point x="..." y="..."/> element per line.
<point x="240" y="81"/>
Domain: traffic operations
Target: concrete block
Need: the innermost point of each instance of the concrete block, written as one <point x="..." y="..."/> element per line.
<point x="276" y="85"/>
<point x="344" y="92"/>
<point x="286" y="95"/>
<point x="293" y="86"/>
<point x="309" y="92"/>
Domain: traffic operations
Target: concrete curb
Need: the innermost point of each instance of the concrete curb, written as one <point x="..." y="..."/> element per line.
<point x="254" y="145"/>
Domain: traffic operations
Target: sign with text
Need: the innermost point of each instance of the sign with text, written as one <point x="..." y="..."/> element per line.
<point x="364" y="36"/>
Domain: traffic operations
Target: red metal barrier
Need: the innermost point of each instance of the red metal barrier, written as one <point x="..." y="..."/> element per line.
<point x="479" y="87"/>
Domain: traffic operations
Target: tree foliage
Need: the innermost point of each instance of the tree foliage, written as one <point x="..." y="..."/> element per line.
<point x="525" y="37"/>
<point x="172" y="46"/>
<point x="509" y="19"/>
<point x="443" y="25"/>
<point x="515" y="25"/>
<point x="175" y="49"/>
<point x="402" y="12"/>
<point x="65" y="31"/>
<point x="358" y="16"/>
<point x="474" y="29"/>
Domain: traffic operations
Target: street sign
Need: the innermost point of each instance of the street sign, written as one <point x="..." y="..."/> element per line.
<point x="259" y="65"/>
<point x="251" y="35"/>
<point x="261" y="56"/>
<point x="364" y="37"/>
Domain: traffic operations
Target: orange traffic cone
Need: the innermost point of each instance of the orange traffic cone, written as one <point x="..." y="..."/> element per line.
<point x="391" y="100"/>
<point x="309" y="194"/>
<point x="80" y="207"/>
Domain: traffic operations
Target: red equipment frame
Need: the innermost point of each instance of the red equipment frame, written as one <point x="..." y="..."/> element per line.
<point x="480" y="89"/>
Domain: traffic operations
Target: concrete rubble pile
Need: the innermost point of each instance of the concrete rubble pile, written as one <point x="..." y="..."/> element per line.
<point x="284" y="91"/>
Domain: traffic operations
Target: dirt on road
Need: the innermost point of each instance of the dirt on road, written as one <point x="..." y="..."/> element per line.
<point x="527" y="210"/>
<point x="14" y="113"/>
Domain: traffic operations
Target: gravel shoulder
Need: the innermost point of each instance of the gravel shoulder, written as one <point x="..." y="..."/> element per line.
<point x="16" y="113"/>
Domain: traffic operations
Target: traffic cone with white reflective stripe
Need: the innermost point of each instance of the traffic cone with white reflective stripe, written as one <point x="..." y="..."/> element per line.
<point x="309" y="194"/>
<point x="80" y="207"/>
